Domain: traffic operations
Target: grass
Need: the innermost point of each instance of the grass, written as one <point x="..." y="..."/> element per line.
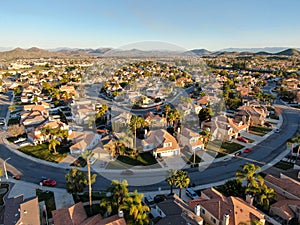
<point x="143" y="159"/>
<point x="260" y="131"/>
<point x="224" y="148"/>
<point x="274" y="117"/>
<point x="284" y="165"/>
<point x="3" y="186"/>
<point x="13" y="121"/>
<point x="48" y="197"/>
<point x="95" y="210"/>
<point x="42" y="152"/>
<point x="80" y="162"/>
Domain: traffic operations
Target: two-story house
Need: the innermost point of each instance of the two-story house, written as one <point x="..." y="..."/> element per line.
<point x="191" y="139"/>
<point x="161" y="143"/>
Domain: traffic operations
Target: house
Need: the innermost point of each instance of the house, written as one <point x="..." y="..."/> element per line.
<point x="83" y="140"/>
<point x="36" y="116"/>
<point x="174" y="211"/>
<point x="220" y="128"/>
<point x="19" y="211"/>
<point x="76" y="215"/>
<point x="191" y="139"/>
<point x="215" y="208"/>
<point x="256" y="114"/>
<point x="36" y="136"/>
<point x="287" y="210"/>
<point x="284" y="186"/>
<point x="121" y="122"/>
<point x="82" y="111"/>
<point x="68" y="88"/>
<point x="155" y="121"/>
<point x="161" y="143"/>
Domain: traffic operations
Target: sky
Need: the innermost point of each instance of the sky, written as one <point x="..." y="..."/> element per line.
<point x="188" y="24"/>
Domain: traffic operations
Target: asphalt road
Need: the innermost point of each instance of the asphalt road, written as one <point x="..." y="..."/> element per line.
<point x="263" y="153"/>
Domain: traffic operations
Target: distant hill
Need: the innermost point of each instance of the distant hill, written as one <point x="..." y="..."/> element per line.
<point x="199" y="52"/>
<point x="34" y="52"/>
<point x="289" y="52"/>
<point x="256" y="50"/>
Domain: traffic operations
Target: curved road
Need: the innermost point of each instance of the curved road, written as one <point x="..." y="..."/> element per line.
<point x="263" y="153"/>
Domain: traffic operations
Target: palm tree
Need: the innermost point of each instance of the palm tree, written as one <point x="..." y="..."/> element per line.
<point x="135" y="123"/>
<point x="167" y="109"/>
<point x="133" y="204"/>
<point x="264" y="195"/>
<point x="91" y="179"/>
<point x="182" y="180"/>
<point x="249" y="173"/>
<point x="52" y="145"/>
<point x="171" y="179"/>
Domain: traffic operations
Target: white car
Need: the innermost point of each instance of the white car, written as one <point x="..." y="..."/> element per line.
<point x="276" y="130"/>
<point x="92" y="160"/>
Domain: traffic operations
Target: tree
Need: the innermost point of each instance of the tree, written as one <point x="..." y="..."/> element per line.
<point x="167" y="109"/>
<point x="135" y="123"/>
<point x="11" y="108"/>
<point x="264" y="195"/>
<point x="91" y="179"/>
<point x="131" y="202"/>
<point x="205" y="114"/>
<point x="233" y="188"/>
<point x="249" y="173"/>
<point x="171" y="179"/>
<point x="52" y="145"/>
<point x="76" y="181"/>
<point x="182" y="180"/>
<point x="137" y="210"/>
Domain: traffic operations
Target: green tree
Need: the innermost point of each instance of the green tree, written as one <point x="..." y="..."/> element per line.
<point x="249" y="173"/>
<point x="52" y="145"/>
<point x="87" y="155"/>
<point x="76" y="181"/>
<point x="171" y="179"/>
<point x="205" y="114"/>
<point x="182" y="180"/>
<point x="264" y="195"/>
<point x="135" y="123"/>
<point x="233" y="188"/>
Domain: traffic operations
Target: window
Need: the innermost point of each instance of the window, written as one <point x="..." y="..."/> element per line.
<point x="213" y="219"/>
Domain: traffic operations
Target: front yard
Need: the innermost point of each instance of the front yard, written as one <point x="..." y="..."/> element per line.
<point x="223" y="148"/>
<point x="124" y="161"/>
<point x="260" y="131"/>
<point x="42" y="152"/>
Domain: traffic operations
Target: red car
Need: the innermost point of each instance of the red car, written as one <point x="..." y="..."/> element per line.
<point x="247" y="150"/>
<point x="242" y="139"/>
<point x="48" y="182"/>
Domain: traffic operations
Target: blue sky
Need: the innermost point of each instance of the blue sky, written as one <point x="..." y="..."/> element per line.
<point x="210" y="24"/>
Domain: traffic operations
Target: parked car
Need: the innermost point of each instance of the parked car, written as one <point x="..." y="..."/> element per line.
<point x="148" y="200"/>
<point x="191" y="193"/>
<point x="238" y="153"/>
<point x="159" y="198"/>
<point x="48" y="182"/>
<point x="276" y="130"/>
<point x="242" y="139"/>
<point x="247" y="150"/>
<point x="17" y="177"/>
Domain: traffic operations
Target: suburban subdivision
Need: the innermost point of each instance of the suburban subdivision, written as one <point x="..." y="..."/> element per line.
<point x="181" y="139"/>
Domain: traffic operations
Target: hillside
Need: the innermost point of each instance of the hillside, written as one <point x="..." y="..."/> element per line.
<point x="289" y="52"/>
<point x="31" y="53"/>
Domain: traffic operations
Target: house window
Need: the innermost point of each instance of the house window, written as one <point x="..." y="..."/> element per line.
<point x="202" y="211"/>
<point x="213" y="219"/>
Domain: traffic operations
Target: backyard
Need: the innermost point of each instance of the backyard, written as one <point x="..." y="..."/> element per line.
<point x="48" y="197"/>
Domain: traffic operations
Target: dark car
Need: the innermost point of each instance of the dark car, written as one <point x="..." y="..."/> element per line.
<point x="238" y="153"/>
<point x="159" y="198"/>
<point x="48" y="182"/>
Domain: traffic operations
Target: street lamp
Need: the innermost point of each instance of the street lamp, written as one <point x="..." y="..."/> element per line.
<point x="4" y="165"/>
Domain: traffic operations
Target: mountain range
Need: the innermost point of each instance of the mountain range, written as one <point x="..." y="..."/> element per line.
<point x="34" y="52"/>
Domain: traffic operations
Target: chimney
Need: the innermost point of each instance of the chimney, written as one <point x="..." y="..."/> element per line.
<point x="120" y="214"/>
<point x="197" y="210"/>
<point x="249" y="199"/>
<point x="226" y="219"/>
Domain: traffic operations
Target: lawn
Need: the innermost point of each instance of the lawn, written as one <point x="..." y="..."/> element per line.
<point x="261" y="131"/>
<point x="224" y="148"/>
<point x="48" y="197"/>
<point x="126" y="162"/>
<point x="284" y="165"/>
<point x="85" y="196"/>
<point x="42" y="152"/>
<point x="274" y="117"/>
